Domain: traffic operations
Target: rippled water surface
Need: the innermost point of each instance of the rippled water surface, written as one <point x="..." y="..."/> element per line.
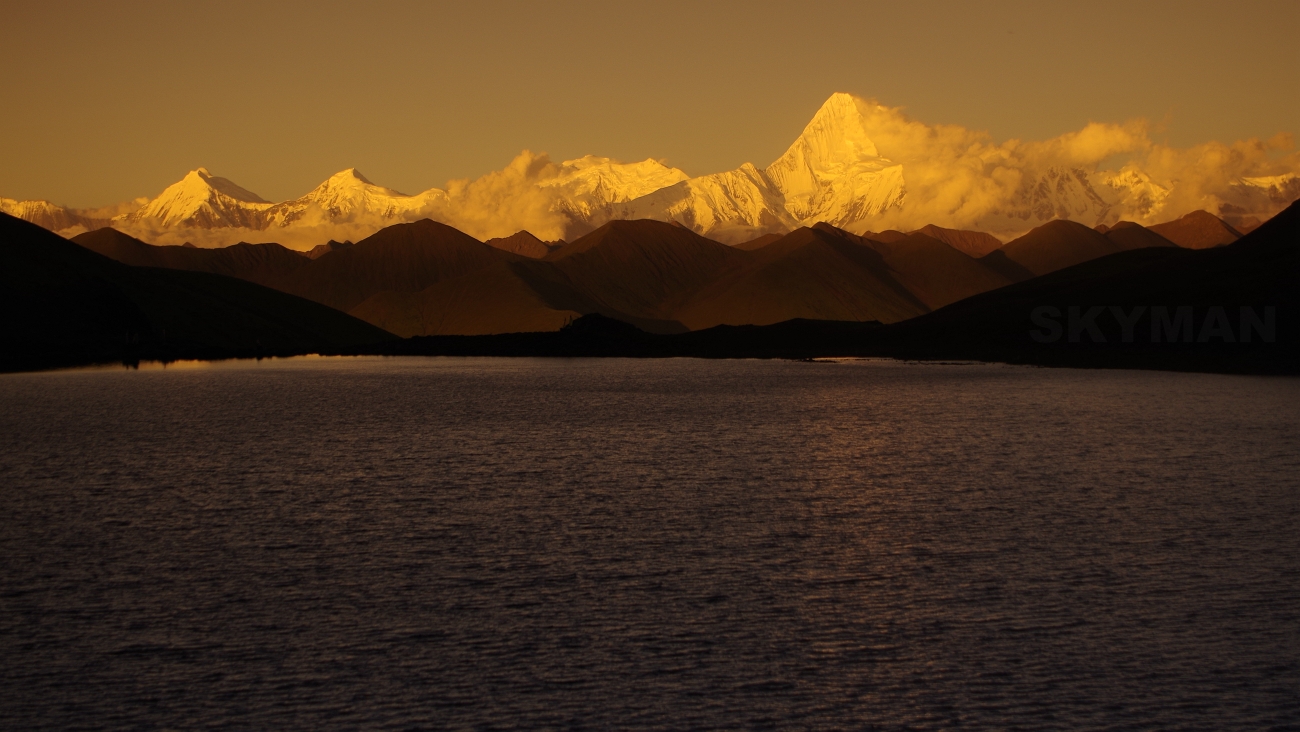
<point x="464" y="543"/>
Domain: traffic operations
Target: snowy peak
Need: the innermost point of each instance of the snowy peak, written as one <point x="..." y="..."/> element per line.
<point x="349" y="175"/>
<point x="604" y="180"/>
<point x="348" y="196"/>
<point x="833" y="172"/>
<point x="49" y="215"/>
<point x="344" y="190"/>
<point x="202" y="180"/>
<point x="352" y="180"/>
<point x="203" y="200"/>
<point x="588" y="189"/>
<point x="1136" y="193"/>
<point x="857" y="165"/>
<point x="734" y="206"/>
<point x="1060" y="193"/>
<point x="1280" y="189"/>
<point x="837" y="132"/>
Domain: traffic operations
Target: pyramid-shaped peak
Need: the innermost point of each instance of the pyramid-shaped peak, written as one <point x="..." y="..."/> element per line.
<point x="840" y="101"/>
<point x="841" y="122"/>
<point x="351" y="174"/>
<point x="348" y="183"/>
<point x="199" y="181"/>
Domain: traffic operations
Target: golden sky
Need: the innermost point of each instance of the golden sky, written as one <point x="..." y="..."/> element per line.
<point x="109" y="101"/>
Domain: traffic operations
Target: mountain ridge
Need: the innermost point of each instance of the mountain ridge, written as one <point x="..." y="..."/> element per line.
<point x="66" y="305"/>
<point x="424" y="277"/>
<point x="857" y="164"/>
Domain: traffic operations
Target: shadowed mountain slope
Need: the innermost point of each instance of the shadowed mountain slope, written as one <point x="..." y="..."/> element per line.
<point x="491" y="300"/>
<point x="1128" y="235"/>
<point x="427" y="278"/>
<point x="522" y="243"/>
<point x="972" y="243"/>
<point x="815" y="273"/>
<point x="1197" y="230"/>
<point x="759" y="243"/>
<point x="936" y="273"/>
<point x="1151" y="286"/>
<point x="66" y="305"/>
<point x="401" y="258"/>
<point x="508" y="297"/>
<point x="265" y="264"/>
<point x="1057" y="245"/>
<point x="999" y="262"/>
<point x="1261" y="271"/>
<point x="888" y="236"/>
<point x="321" y="250"/>
<point x="646" y="269"/>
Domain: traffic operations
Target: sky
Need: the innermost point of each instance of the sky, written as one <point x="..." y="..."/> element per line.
<point x="110" y="101"/>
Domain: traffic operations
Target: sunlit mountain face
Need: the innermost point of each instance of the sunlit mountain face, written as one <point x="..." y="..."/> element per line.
<point x="858" y="165"/>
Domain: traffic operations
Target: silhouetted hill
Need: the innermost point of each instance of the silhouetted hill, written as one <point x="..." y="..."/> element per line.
<point x="1197" y="298"/>
<point x="759" y="243"/>
<point x="508" y="297"/>
<point x="1057" y="245"/>
<point x="427" y="278"/>
<point x="936" y="273"/>
<point x="888" y="236"/>
<point x="645" y="269"/>
<point x="999" y="262"/>
<point x="811" y="273"/>
<point x="524" y="244"/>
<point x="66" y="305"/>
<point x="1197" y="230"/>
<point x="401" y="258"/>
<point x="1129" y="235"/>
<point x="1242" y="223"/>
<point x="1193" y="297"/>
<point x="321" y="250"/>
<point x="641" y="265"/>
<point x="265" y="264"/>
<point x="973" y="243"/>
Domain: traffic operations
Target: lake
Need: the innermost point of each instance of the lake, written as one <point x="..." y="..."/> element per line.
<point x="404" y="543"/>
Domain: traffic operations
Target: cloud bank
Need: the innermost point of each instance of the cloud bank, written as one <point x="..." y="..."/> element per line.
<point x="961" y="178"/>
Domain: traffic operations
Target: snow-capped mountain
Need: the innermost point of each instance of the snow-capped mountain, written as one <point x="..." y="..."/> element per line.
<point x="49" y="215"/>
<point x="347" y="196"/>
<point x="734" y="206"/>
<point x="833" y="171"/>
<point x="857" y="165"/>
<point x="1277" y="189"/>
<point x="586" y="188"/>
<point x="1060" y="193"/>
<point x="1135" y="193"/>
<point x="202" y="200"/>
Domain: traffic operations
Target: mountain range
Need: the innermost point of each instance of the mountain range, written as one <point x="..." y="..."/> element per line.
<point x="109" y="296"/>
<point x="428" y="278"/>
<point x="858" y="166"/>
<point x="1223" y="309"/>
<point x="1229" y="308"/>
<point x="65" y="305"/>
